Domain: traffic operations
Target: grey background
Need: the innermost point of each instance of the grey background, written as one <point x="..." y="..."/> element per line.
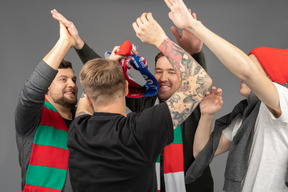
<point x="28" y="32"/>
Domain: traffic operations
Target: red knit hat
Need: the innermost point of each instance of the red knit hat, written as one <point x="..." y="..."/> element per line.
<point x="274" y="61"/>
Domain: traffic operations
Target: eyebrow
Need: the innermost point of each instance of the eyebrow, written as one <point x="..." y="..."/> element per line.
<point x="74" y="77"/>
<point x="170" y="69"/>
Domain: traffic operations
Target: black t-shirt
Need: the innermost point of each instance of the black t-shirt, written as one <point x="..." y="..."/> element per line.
<point x="110" y="152"/>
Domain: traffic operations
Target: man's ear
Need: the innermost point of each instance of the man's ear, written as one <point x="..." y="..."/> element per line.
<point x="89" y="101"/>
<point x="47" y="91"/>
<point x="126" y="87"/>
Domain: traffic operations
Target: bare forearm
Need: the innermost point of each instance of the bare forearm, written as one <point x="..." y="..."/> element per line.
<point x="202" y="134"/>
<point x="57" y="53"/>
<point x="195" y="81"/>
<point x="231" y="56"/>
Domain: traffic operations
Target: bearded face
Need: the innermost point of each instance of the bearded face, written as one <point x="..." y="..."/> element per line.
<point x="63" y="90"/>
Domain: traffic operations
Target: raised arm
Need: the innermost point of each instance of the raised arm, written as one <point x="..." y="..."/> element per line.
<point x="191" y="44"/>
<point x="195" y="81"/>
<point x="56" y="55"/>
<point x="244" y="67"/>
<point x="209" y="106"/>
<point x="32" y="95"/>
<point x="187" y="40"/>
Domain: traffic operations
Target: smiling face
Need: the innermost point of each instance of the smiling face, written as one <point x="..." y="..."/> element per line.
<point x="167" y="78"/>
<point x="63" y="90"/>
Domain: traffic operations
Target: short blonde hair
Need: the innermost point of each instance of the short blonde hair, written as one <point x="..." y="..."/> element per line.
<point x="102" y="77"/>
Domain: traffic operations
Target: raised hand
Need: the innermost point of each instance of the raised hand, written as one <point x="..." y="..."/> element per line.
<point x="65" y="35"/>
<point x="212" y="102"/>
<point x="188" y="41"/>
<point x="148" y="30"/>
<point x="79" y="43"/>
<point x="179" y="13"/>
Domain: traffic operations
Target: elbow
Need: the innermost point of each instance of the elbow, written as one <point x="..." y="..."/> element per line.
<point x="207" y="84"/>
<point x="248" y="71"/>
<point x="246" y="74"/>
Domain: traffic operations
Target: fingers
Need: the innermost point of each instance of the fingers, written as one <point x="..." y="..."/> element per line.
<point x="62" y="27"/>
<point x="168" y="3"/>
<point x="139" y="22"/>
<point x="135" y="52"/>
<point x="115" y="48"/>
<point x="193" y="15"/>
<point x="144" y="19"/>
<point x="219" y="92"/>
<point x="213" y="90"/>
<point x="115" y="57"/>
<point x="59" y="17"/>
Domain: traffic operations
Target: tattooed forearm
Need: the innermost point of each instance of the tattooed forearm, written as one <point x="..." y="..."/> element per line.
<point x="194" y="79"/>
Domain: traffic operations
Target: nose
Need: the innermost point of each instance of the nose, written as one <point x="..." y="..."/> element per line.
<point x="163" y="77"/>
<point x="71" y="83"/>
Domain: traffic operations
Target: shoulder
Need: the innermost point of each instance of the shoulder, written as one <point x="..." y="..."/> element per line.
<point x="139" y="104"/>
<point x="283" y="98"/>
<point x="81" y="119"/>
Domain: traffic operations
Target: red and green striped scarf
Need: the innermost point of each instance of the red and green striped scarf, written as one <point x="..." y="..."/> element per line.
<point x="173" y="164"/>
<point x="48" y="163"/>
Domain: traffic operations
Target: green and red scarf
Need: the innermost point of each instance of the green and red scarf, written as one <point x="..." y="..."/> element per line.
<point x="173" y="165"/>
<point x="48" y="163"/>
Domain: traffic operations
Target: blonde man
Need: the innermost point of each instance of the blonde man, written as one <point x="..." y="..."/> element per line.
<point x="113" y="151"/>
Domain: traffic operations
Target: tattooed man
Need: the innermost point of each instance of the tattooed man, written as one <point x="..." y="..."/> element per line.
<point x="169" y="83"/>
<point x="112" y="151"/>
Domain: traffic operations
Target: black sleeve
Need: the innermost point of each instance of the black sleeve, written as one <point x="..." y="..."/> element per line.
<point x="153" y="130"/>
<point x="139" y="104"/>
<point x="200" y="58"/>
<point x="86" y="53"/>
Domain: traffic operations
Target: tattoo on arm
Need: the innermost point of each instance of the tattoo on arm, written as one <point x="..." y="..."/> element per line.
<point x="195" y="82"/>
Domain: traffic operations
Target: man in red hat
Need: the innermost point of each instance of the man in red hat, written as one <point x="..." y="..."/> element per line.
<point x="255" y="132"/>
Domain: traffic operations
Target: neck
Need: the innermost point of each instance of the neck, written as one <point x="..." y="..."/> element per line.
<point x="64" y="111"/>
<point x="118" y="106"/>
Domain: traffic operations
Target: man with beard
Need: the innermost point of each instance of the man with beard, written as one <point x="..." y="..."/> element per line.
<point x="42" y="117"/>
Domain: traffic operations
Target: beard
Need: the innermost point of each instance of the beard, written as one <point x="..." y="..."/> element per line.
<point x="68" y="103"/>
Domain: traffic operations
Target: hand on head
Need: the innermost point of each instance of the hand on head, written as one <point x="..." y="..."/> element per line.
<point x="148" y="30"/>
<point x="212" y="102"/>
<point x="79" y="43"/>
<point x="188" y="41"/>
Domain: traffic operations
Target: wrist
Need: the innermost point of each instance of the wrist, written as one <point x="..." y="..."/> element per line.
<point x="159" y="42"/>
<point x="65" y="42"/>
<point x="193" y="26"/>
<point x="79" y="43"/>
<point x="208" y="116"/>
